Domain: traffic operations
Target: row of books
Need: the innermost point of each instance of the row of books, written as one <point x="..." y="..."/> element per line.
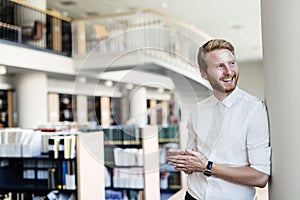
<point x="123" y="195"/>
<point x="21" y="196"/>
<point x="37" y="169"/>
<point x="128" y="157"/>
<point x="168" y="133"/>
<point x="163" y="151"/>
<point x="128" y="177"/>
<point x="41" y="163"/>
<point x="170" y="180"/>
<point x="40" y="174"/>
<point x="62" y="146"/>
<point x="62" y="177"/>
<point x="122" y="135"/>
<point x="54" y="195"/>
<point x="60" y="174"/>
<point x="16" y="142"/>
<point x="126" y="135"/>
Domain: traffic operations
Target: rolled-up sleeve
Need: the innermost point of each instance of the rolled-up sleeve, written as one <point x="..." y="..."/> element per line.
<point x="258" y="140"/>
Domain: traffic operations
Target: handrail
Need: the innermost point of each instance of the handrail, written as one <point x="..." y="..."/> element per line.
<point x="174" y="19"/>
<point x="164" y="15"/>
<point x="9" y="26"/>
<point x="48" y="12"/>
<point x="166" y="40"/>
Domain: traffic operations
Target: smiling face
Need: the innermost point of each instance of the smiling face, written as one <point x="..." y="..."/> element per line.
<point x="222" y="72"/>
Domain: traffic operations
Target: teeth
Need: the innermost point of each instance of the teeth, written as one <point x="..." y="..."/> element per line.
<point x="227" y="80"/>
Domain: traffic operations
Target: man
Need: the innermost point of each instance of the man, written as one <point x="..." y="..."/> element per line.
<point x="228" y="150"/>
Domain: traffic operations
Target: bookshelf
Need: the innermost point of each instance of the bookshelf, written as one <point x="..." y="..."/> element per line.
<point x="53" y="175"/>
<point x="66" y="107"/>
<point x="130" y="151"/>
<point x="6" y="108"/>
<point x="123" y="162"/>
<point x="84" y="109"/>
<point x="170" y="179"/>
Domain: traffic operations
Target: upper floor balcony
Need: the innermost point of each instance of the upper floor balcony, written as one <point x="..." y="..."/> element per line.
<point x="23" y="25"/>
<point x="105" y="43"/>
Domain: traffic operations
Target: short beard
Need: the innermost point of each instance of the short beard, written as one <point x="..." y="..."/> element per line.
<point x="219" y="88"/>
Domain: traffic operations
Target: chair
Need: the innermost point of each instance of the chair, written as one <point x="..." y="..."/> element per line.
<point x="33" y="33"/>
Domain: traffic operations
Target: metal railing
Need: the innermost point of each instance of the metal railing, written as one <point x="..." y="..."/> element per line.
<point x="34" y="27"/>
<point x="150" y="32"/>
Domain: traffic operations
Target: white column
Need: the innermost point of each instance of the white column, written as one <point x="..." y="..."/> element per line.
<point x="105" y="111"/>
<point x="281" y="30"/>
<point x="153" y="112"/>
<point x="32" y="91"/>
<point x="138" y="106"/>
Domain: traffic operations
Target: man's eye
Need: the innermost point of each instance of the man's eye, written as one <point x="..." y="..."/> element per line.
<point x="232" y="64"/>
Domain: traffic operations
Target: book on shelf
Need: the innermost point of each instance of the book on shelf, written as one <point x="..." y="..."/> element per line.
<point x="122" y="135"/>
<point x="168" y="133"/>
<point x="174" y="181"/>
<point x="52" y="178"/>
<point x="70" y="175"/>
<point x="125" y="194"/>
<point x="62" y="176"/>
<point x="62" y="147"/>
<point x="132" y="177"/>
<point x="109" y="155"/>
<point x="31" y="145"/>
<point x="16" y="142"/>
<point x="128" y="157"/>
<point x="107" y="177"/>
<point x="21" y="196"/>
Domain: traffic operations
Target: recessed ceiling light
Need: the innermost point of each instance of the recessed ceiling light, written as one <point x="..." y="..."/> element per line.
<point x="235" y="25"/>
<point x="2" y="70"/>
<point x="92" y="13"/>
<point x="164" y="5"/>
<point x="119" y="10"/>
<point x="82" y="79"/>
<point x="129" y="86"/>
<point x="65" y="13"/>
<point x="109" y="83"/>
<point x="68" y="3"/>
<point x="160" y="90"/>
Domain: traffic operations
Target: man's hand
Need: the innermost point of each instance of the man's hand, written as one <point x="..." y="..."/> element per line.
<point x="188" y="161"/>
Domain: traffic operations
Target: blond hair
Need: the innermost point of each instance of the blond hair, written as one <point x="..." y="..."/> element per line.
<point x="210" y="46"/>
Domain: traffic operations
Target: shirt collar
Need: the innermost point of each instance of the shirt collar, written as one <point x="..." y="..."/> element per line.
<point x="229" y="100"/>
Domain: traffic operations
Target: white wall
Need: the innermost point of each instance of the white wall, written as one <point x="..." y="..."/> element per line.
<point x="36" y="60"/>
<point x="252" y="78"/>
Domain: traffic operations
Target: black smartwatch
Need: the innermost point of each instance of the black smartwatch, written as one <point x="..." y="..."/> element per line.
<point x="207" y="171"/>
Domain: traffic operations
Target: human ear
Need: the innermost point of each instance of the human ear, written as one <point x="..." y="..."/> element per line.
<point x="203" y="74"/>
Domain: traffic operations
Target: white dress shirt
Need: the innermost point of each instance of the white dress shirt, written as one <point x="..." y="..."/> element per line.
<point x="240" y="139"/>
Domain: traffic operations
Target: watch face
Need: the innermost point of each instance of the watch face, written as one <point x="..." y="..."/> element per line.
<point x="207" y="173"/>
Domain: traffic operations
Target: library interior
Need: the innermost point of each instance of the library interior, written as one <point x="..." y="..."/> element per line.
<point x="90" y="104"/>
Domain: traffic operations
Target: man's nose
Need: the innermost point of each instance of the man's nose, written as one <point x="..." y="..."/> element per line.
<point x="228" y="70"/>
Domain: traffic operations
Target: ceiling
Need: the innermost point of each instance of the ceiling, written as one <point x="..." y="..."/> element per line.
<point x="235" y="20"/>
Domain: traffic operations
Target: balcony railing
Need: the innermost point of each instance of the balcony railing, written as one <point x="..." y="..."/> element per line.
<point x="149" y="32"/>
<point x="36" y="28"/>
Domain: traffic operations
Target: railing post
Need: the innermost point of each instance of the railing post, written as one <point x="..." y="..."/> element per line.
<point x="81" y="43"/>
<point x="56" y="33"/>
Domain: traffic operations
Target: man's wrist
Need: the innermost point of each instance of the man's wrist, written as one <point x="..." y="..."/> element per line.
<point x="208" y="171"/>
